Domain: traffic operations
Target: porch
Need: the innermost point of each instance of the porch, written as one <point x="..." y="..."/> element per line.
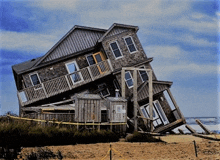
<point x="64" y="83"/>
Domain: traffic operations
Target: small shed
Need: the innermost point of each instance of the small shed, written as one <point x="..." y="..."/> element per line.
<point x="117" y="109"/>
<point x="88" y="107"/>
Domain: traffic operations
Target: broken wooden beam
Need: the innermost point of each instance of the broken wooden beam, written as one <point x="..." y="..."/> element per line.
<point x="181" y="131"/>
<point x="206" y="137"/>
<point x="190" y="128"/>
<point x="207" y="131"/>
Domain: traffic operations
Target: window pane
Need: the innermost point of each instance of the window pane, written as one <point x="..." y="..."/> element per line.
<point x="35" y="79"/>
<point x="128" y="40"/>
<point x="98" y="58"/>
<point x="127" y="75"/>
<point x="23" y="96"/>
<point x="117" y="53"/>
<point x="114" y="46"/>
<point x="131" y="48"/>
<point x="72" y="67"/>
<point x="130" y="82"/>
<point x="76" y="77"/>
<point x="90" y="60"/>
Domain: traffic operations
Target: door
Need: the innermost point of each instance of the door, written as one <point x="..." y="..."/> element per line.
<point x="99" y="58"/>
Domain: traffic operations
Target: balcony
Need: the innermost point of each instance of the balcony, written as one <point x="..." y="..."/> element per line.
<point x="64" y="83"/>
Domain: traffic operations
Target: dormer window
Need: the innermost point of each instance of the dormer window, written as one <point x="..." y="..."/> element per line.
<point x="35" y="79"/>
<point x="115" y="49"/>
<point x="130" y="44"/>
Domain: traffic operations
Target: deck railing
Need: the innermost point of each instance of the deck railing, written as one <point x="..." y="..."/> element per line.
<point x="64" y="83"/>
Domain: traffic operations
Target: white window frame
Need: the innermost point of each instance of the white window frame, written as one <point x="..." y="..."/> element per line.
<point x="73" y="72"/>
<point x="166" y="121"/>
<point x="99" y="86"/>
<point x="88" y="60"/>
<point x="155" y="109"/>
<point x="140" y="73"/>
<point x="37" y="77"/>
<point x="118" y="48"/>
<point x="132" y="42"/>
<point x="131" y="78"/>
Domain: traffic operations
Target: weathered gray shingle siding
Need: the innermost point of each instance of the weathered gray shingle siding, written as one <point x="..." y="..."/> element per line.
<point x="78" y="40"/>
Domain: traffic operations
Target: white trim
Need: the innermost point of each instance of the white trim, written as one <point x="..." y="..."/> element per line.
<point x="132" y="42"/>
<point x="37" y="77"/>
<point x="118" y="49"/>
<point x="131" y="78"/>
<point x="75" y="71"/>
<point x="142" y="71"/>
<point x="166" y="121"/>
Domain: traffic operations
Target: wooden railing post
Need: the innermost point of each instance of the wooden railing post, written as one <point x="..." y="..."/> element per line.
<point x="42" y="84"/>
<point x="90" y="73"/>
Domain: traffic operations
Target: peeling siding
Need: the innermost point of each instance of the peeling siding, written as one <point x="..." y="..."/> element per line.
<point x="76" y="41"/>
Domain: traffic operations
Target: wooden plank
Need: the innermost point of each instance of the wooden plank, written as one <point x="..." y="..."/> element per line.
<point x="123" y="83"/>
<point x="207" y="131"/>
<point x="190" y="128"/>
<point x="135" y="98"/>
<point x="175" y="104"/>
<point x="206" y="137"/>
<point x="151" y="100"/>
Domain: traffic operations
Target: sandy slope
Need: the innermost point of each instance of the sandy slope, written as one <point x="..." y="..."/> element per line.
<point x="177" y="147"/>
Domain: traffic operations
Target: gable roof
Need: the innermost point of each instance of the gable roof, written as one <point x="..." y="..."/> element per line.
<point x="77" y="39"/>
<point x="118" y="26"/>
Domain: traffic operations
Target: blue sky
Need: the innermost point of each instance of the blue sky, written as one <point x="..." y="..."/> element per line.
<point x="182" y="36"/>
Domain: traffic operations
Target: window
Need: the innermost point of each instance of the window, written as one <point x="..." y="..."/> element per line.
<point x="143" y="75"/>
<point x="72" y="70"/>
<point x="115" y="49"/>
<point x="130" y="44"/>
<point x="90" y="60"/>
<point x="158" y="113"/>
<point x="161" y="112"/>
<point x="104" y="90"/>
<point x="23" y="96"/>
<point x="35" y="79"/>
<point x="128" y="79"/>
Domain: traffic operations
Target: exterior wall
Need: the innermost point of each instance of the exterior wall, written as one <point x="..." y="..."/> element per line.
<point x="128" y="58"/>
<point x="47" y="73"/>
<point x="55" y="70"/>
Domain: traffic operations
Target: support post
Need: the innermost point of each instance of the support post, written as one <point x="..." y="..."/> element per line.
<point x="135" y="98"/>
<point x="175" y="104"/>
<point x="151" y="100"/>
<point x="123" y="83"/>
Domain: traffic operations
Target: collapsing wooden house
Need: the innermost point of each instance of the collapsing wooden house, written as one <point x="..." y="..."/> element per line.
<point x="85" y="67"/>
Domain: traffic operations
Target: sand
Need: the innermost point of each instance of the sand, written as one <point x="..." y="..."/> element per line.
<point x="176" y="147"/>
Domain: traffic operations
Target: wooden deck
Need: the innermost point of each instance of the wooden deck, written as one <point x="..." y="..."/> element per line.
<point x="64" y="83"/>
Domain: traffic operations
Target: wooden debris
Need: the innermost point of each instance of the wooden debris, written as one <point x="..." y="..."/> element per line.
<point x="181" y="131"/>
<point x="190" y="128"/>
<point x="207" y="131"/>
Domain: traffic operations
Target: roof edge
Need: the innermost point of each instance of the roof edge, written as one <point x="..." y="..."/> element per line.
<point x="118" y="25"/>
<point x="66" y="35"/>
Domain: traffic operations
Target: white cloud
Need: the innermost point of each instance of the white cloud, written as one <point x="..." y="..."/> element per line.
<point x="29" y="42"/>
<point x="199" y="42"/>
<point x="163" y="51"/>
<point x="67" y="5"/>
